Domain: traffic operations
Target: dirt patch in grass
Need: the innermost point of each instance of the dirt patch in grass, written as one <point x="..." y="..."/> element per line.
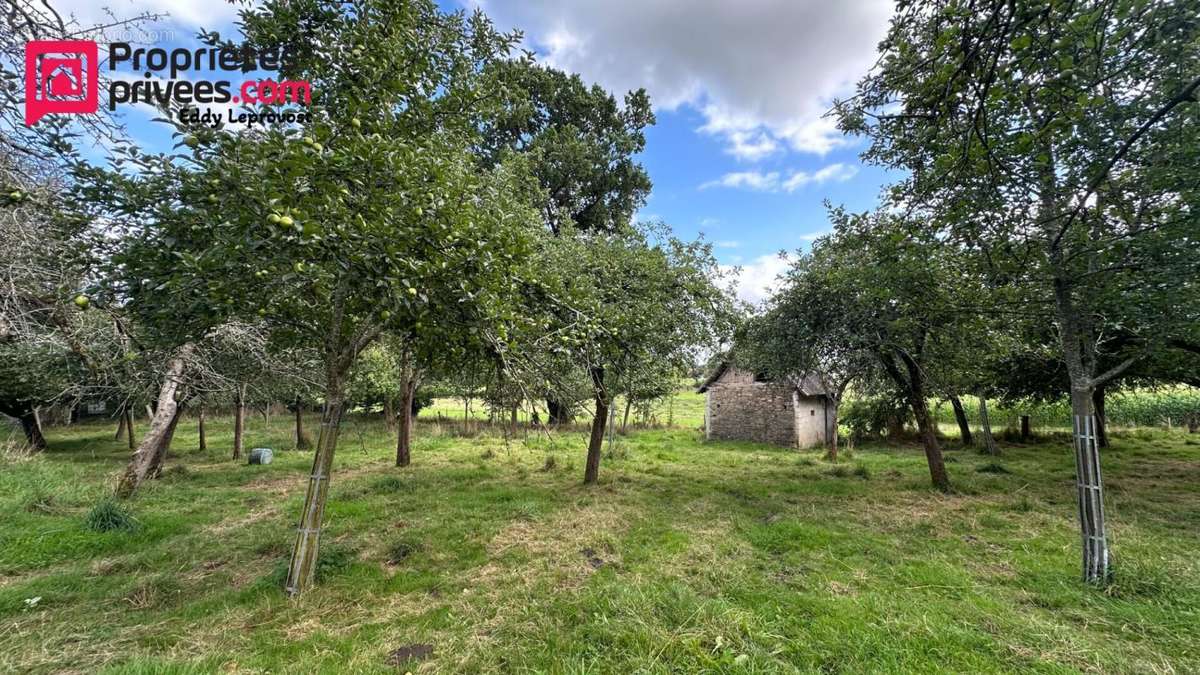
<point x="409" y="653"/>
<point x="279" y="484"/>
<point x="234" y="523"/>
<point x="905" y="510"/>
<point x="527" y="559"/>
<point x="554" y="544"/>
<point x="838" y="588"/>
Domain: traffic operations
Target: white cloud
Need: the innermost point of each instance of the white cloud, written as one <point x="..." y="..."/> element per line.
<point x="186" y="14"/>
<point x="834" y="172"/>
<point x="773" y="181"/>
<point x="758" y="279"/>
<point x="751" y="146"/>
<point x="750" y="180"/>
<point x="728" y="243"/>
<point x="762" y="73"/>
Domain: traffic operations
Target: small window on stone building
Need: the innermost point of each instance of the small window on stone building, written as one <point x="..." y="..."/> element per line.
<point x="812" y="413"/>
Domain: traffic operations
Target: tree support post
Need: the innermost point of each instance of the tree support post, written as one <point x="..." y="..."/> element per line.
<point x="303" y="566"/>
<point x="1096" y="556"/>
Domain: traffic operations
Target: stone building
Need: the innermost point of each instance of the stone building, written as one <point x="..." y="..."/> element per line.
<point x="738" y="406"/>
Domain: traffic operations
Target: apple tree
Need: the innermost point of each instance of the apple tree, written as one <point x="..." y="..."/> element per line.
<point x="636" y="300"/>
<point x="371" y="217"/>
<point x="1057" y="140"/>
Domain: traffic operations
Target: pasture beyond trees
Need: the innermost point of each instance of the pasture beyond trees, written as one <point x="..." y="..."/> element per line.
<point x="688" y="556"/>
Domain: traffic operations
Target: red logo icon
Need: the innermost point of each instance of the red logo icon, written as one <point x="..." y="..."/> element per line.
<point x="60" y="77"/>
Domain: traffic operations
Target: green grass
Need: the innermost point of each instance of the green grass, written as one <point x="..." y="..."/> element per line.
<point x="688" y="557"/>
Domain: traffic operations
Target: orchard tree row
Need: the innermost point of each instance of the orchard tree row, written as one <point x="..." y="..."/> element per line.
<point x="453" y="211"/>
<point x="1041" y="238"/>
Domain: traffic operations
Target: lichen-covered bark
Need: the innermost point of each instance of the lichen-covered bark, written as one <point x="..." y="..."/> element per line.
<point x="146" y="458"/>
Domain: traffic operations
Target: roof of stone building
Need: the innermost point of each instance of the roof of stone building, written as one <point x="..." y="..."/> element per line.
<point x="714" y="376"/>
<point x="809" y="385"/>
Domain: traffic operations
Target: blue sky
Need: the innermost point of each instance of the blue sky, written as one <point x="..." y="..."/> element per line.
<point x="741" y="152"/>
<point x="756" y="216"/>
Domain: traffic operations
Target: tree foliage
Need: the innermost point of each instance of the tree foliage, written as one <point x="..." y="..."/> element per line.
<point x="1057" y="141"/>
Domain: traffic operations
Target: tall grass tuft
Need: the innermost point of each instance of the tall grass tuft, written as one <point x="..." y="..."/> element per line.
<point x="13" y="450"/>
<point x="108" y="515"/>
<point x="992" y="467"/>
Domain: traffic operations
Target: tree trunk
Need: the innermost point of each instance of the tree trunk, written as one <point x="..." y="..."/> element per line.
<point x="408" y="388"/>
<point x="989" y="441"/>
<point x="895" y="428"/>
<point x="33" y="429"/>
<point x="914" y="390"/>
<point x="303" y="566"/>
<point x="1090" y="486"/>
<point x="1078" y="339"/>
<point x="120" y="424"/>
<point x="162" y="426"/>
<point x="164" y="444"/>
<point x="1025" y="427"/>
<point x="591" y="472"/>
<point x="1101" y="418"/>
<point x="303" y="442"/>
<point x="516" y="420"/>
<point x="832" y="433"/>
<point x="933" y="450"/>
<point x="960" y="415"/>
<point x="612" y="425"/>
<point x="31" y="425"/>
<point x="557" y="413"/>
<point x="389" y="414"/>
<point x="625" y="417"/>
<point x="200" y="429"/>
<point x="129" y="428"/>
<point x="239" y="421"/>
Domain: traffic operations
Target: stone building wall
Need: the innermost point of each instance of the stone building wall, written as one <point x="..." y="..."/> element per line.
<point x="739" y="409"/>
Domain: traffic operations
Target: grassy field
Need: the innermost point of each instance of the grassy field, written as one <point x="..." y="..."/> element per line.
<point x="684" y="410"/>
<point x="688" y="557"/>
